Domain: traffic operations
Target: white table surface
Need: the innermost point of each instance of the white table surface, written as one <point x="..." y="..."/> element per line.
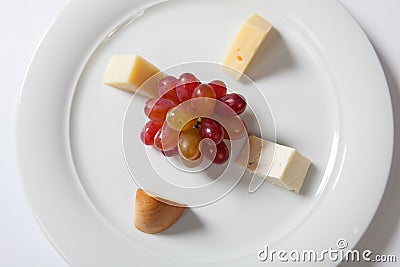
<point x="24" y="22"/>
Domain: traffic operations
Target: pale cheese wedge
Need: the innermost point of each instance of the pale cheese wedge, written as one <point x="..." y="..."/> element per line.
<point x="278" y="164"/>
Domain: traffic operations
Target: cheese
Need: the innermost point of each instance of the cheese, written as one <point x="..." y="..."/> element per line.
<point x="251" y="35"/>
<point x="131" y="72"/>
<point x="280" y="165"/>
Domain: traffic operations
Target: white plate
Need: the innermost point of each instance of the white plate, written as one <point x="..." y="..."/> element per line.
<point x="326" y="90"/>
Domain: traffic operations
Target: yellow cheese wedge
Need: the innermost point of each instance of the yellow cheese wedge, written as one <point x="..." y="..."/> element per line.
<point x="131" y="72"/>
<point x="249" y="39"/>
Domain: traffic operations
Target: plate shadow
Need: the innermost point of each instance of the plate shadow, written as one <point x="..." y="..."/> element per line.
<point x="189" y="222"/>
<point x="273" y="56"/>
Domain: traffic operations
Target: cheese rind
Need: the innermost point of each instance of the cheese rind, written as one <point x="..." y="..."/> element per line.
<point x="249" y="39"/>
<point x="131" y="72"/>
<point x="278" y="164"/>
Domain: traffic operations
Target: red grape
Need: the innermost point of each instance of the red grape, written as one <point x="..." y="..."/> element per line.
<point x="167" y="88"/>
<point x="170" y="153"/>
<point x="222" y="154"/>
<point x="203" y="100"/>
<point x="185" y="86"/>
<point x="219" y="88"/>
<point x="234" y="127"/>
<point x="208" y="149"/>
<point x="149" y="131"/>
<point x="156" y="109"/>
<point x="209" y="128"/>
<point x="230" y="105"/>
<point x="204" y="90"/>
<point x="226" y="135"/>
<point x="166" y="138"/>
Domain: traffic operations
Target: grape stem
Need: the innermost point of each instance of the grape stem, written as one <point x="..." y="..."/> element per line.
<point x="197" y="126"/>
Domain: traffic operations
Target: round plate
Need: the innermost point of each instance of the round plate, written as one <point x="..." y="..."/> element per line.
<point x="326" y="91"/>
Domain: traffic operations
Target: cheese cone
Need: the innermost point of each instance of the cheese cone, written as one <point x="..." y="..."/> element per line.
<point x="153" y="214"/>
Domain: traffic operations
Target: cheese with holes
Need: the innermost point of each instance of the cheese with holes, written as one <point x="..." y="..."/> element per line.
<point x="280" y="165"/>
<point x="251" y="35"/>
<point x="131" y="72"/>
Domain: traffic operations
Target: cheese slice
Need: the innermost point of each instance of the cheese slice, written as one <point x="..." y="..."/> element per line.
<point x="278" y="164"/>
<point x="131" y="72"/>
<point x="249" y="39"/>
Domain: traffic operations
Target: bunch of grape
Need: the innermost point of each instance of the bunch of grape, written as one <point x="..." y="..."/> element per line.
<point x="188" y="112"/>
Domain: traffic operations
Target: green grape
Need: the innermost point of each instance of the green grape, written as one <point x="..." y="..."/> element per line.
<point x="188" y="145"/>
<point x="180" y="115"/>
<point x="191" y="163"/>
<point x="203" y="100"/>
<point x="192" y="123"/>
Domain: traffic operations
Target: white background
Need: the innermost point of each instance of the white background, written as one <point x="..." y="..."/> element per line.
<point x="22" y="25"/>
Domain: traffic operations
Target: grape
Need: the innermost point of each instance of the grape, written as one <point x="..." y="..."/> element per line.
<point x="149" y="131"/>
<point x="226" y="135"/>
<point x="230" y="105"/>
<point x="170" y="153"/>
<point x="208" y="149"/>
<point x="219" y="88"/>
<point x="189" y="125"/>
<point x="234" y="127"/>
<point x="166" y="138"/>
<point x="203" y="100"/>
<point x="203" y="90"/>
<point x="209" y="128"/>
<point x="222" y="154"/>
<point x="180" y="115"/>
<point x="156" y="108"/>
<point x="166" y="84"/>
<point x="189" y="144"/>
<point x="167" y="88"/>
<point x="185" y="86"/>
<point x="218" y="154"/>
